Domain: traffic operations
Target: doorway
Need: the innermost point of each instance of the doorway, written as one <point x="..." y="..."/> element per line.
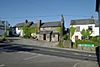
<point x="44" y="36"/>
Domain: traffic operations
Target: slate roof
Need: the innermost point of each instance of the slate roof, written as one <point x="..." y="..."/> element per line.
<point x="44" y="32"/>
<point x="82" y="22"/>
<point x="97" y="5"/>
<point x="24" y="23"/>
<point x="51" y="24"/>
<point x="34" y="25"/>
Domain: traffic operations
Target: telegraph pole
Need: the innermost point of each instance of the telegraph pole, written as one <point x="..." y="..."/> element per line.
<point x="5" y="27"/>
<point x="99" y="24"/>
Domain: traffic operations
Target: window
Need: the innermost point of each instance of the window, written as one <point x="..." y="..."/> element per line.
<point x="78" y="29"/>
<point x="82" y="37"/>
<point x="90" y="28"/>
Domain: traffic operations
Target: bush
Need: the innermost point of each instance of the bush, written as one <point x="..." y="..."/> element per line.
<point x="83" y="42"/>
<point x="2" y="38"/>
<point x="92" y="41"/>
<point x="26" y="36"/>
<point x="61" y="43"/>
<point x="66" y="37"/>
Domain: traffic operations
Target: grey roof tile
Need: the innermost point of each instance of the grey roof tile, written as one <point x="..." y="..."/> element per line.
<point x="44" y="32"/>
<point x="34" y="25"/>
<point x="23" y="23"/>
<point x="51" y="24"/>
<point x="82" y="22"/>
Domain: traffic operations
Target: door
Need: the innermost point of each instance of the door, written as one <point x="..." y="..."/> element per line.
<point x="76" y="38"/>
<point x="44" y="36"/>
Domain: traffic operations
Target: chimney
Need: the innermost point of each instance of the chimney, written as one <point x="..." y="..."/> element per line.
<point x="39" y="25"/>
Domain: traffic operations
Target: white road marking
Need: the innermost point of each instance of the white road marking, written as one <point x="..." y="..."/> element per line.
<point x="22" y="52"/>
<point x="76" y="64"/>
<point x="2" y="65"/>
<point x="90" y="55"/>
<point x="29" y="58"/>
<point x="76" y="53"/>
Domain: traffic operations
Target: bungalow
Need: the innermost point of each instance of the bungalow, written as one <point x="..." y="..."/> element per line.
<point x="81" y="24"/>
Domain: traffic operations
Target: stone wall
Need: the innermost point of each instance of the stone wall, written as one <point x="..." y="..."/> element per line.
<point x="48" y="37"/>
<point x="55" y="37"/>
<point x="39" y="37"/>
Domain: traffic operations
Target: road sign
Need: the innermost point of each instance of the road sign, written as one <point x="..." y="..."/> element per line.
<point x="86" y="45"/>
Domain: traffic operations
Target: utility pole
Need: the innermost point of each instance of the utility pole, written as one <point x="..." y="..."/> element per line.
<point x="5" y="28"/>
<point x="99" y="25"/>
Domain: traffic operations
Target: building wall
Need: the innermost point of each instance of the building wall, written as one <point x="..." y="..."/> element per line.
<point x="55" y="37"/>
<point x="81" y="28"/>
<point x="48" y="37"/>
<point x="39" y="37"/>
<point x="19" y="32"/>
<point x="96" y="31"/>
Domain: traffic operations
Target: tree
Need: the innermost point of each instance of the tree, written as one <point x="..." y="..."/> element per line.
<point x="26" y="31"/>
<point x="86" y="33"/>
<point x="58" y="29"/>
<point x="33" y="30"/>
<point x="72" y="30"/>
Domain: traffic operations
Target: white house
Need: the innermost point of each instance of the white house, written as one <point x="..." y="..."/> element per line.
<point x="19" y="30"/>
<point x="81" y="24"/>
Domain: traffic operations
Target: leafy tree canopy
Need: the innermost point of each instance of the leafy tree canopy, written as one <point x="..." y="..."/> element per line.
<point x="72" y="30"/>
<point x="86" y="33"/>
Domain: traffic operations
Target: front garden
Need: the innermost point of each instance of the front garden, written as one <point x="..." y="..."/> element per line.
<point x="87" y="42"/>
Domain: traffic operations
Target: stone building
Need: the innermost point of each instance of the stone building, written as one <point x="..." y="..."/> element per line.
<point x="50" y="31"/>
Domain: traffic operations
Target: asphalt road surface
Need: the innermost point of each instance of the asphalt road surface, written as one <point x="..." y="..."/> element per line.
<point x="24" y="55"/>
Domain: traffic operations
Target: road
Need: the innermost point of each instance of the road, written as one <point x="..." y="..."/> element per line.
<point x="25" y="57"/>
<point x="21" y="55"/>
